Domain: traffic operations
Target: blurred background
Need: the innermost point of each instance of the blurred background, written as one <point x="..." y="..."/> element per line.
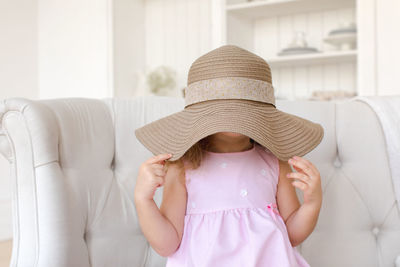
<point x="317" y="50"/>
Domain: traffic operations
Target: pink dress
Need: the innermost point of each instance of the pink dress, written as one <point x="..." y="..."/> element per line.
<point x="231" y="215"/>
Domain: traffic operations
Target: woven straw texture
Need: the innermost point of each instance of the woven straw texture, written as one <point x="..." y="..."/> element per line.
<point x="284" y="134"/>
<point x="229" y="61"/>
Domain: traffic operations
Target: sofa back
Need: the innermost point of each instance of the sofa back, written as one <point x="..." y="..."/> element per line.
<point x="74" y="163"/>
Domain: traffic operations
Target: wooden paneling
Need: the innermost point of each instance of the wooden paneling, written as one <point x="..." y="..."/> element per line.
<point x="388" y="46"/>
<point x="177" y="32"/>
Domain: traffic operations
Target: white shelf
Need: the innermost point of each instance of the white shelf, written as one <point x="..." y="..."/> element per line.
<point x="266" y="26"/>
<point x="267" y="8"/>
<point x="314" y="58"/>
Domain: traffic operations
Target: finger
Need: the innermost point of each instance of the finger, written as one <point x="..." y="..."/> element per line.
<point x="302" y="186"/>
<point x="296" y="168"/>
<point x="302" y="166"/>
<point x="159" y="181"/>
<point x="297" y="175"/>
<point x="157" y="166"/>
<point x="159" y="172"/>
<point x="307" y="162"/>
<point x="159" y="158"/>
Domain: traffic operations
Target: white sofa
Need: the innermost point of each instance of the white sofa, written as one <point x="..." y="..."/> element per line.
<point x="74" y="163"/>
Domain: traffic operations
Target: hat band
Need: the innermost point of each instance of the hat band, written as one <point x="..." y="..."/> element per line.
<point x="228" y="88"/>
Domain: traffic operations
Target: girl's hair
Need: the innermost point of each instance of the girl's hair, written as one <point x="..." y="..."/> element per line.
<point x="193" y="156"/>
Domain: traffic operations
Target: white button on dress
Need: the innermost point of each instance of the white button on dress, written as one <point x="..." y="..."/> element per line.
<point x="223" y="164"/>
<point x="263" y="172"/>
<point x="243" y="192"/>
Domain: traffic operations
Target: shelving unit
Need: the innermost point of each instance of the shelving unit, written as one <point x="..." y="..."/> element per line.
<point x="315" y="58"/>
<point x="269" y="8"/>
<point x="265" y="27"/>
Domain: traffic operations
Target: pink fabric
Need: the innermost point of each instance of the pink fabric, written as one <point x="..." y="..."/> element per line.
<point x="231" y="216"/>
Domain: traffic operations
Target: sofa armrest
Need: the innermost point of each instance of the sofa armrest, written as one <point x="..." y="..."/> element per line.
<point x="42" y="229"/>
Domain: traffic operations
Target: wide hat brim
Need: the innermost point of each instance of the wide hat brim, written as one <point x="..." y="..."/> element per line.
<point x="285" y="135"/>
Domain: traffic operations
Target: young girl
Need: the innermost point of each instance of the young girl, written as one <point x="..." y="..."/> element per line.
<point x="228" y="191"/>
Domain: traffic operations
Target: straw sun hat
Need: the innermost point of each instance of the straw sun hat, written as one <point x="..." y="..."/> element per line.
<point x="229" y="89"/>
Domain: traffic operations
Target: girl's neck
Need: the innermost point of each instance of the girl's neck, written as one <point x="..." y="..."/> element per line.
<point x="230" y="148"/>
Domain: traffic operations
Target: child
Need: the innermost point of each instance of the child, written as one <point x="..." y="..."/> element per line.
<point x="228" y="197"/>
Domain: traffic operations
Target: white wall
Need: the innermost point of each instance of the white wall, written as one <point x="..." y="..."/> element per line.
<point x="18" y="78"/>
<point x="129" y="45"/>
<point x="54" y="49"/>
<point x="18" y="49"/>
<point x="75" y="48"/>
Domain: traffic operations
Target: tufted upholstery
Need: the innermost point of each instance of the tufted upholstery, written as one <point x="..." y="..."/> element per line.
<point x="74" y="163"/>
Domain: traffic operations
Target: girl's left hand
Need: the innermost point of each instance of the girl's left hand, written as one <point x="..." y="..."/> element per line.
<point x="309" y="179"/>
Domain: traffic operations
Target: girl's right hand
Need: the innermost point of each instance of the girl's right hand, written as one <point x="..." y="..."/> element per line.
<point x="151" y="175"/>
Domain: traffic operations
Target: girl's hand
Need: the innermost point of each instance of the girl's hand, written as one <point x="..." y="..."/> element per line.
<point x="309" y="179"/>
<point x="151" y="175"/>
